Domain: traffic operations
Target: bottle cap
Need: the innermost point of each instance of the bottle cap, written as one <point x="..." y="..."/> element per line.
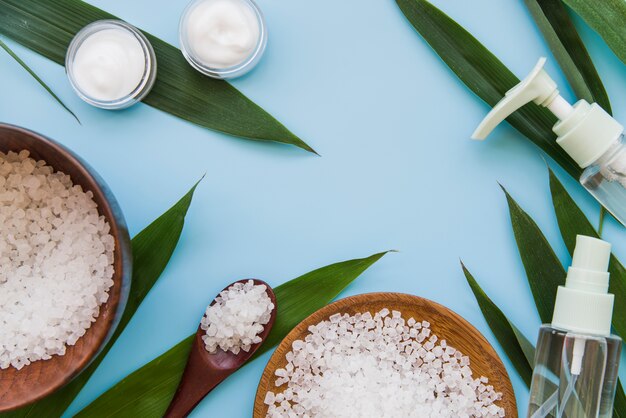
<point x="585" y="131"/>
<point x="584" y="305"/>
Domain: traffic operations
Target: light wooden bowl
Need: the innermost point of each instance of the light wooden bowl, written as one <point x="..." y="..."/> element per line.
<point x="444" y="323"/>
<point x="41" y="378"/>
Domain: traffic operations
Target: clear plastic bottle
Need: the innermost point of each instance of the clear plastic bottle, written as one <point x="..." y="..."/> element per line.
<point x="606" y="179"/>
<point x="564" y="385"/>
<point x="577" y="358"/>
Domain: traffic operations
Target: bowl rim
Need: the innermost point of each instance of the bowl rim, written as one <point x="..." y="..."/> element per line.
<point x="112" y="211"/>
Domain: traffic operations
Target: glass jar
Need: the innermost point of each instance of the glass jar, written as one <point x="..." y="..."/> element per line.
<point x="136" y="93"/>
<point x="222" y="72"/>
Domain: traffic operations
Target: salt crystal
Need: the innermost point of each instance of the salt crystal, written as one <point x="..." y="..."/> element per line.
<point x="269" y="398"/>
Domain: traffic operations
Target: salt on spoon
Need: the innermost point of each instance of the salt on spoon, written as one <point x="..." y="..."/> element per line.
<point x="221" y="344"/>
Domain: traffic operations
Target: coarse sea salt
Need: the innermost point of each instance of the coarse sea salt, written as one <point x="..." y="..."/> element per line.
<point x="234" y="322"/>
<point x="56" y="261"/>
<point x="365" y="366"/>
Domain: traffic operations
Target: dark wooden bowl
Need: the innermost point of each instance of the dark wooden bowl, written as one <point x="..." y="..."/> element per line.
<point x="41" y="378"/>
<point x="446" y="324"/>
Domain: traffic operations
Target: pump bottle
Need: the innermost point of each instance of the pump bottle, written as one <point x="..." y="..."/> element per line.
<point x="585" y="131"/>
<point x="577" y="358"/>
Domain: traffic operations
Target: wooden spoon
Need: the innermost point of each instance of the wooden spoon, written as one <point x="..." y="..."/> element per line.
<point x="204" y="371"/>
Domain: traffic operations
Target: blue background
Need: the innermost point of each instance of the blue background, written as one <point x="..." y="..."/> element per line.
<point x="397" y="171"/>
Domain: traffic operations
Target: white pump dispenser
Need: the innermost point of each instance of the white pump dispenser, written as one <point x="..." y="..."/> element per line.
<point x="537" y="87"/>
<point x="577" y="358"/>
<point x="585" y="131"/>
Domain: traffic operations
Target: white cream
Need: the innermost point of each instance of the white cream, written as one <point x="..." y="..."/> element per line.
<point x="222" y="33"/>
<point x="109" y="64"/>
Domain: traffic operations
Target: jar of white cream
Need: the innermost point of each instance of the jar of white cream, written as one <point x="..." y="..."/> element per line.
<point x="110" y="64"/>
<point x="222" y="38"/>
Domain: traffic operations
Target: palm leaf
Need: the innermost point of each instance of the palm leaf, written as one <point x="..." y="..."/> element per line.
<point x="484" y="74"/>
<point x="36" y="77"/>
<point x="519" y="350"/>
<point x="147" y="392"/>
<point x="543" y="268"/>
<point x="606" y="17"/>
<point x="527" y="347"/>
<point x="152" y="249"/>
<point x="557" y="28"/>
<point x="48" y="26"/>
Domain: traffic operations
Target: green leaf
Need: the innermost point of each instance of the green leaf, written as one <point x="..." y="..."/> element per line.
<point x="527" y="347"/>
<point x="152" y="249"/>
<point x="36" y="77"/>
<point x="513" y="342"/>
<point x="48" y="26"/>
<point x="606" y="17"/>
<point x="601" y="219"/>
<point x="572" y="221"/>
<point x="554" y="21"/>
<point x="147" y="392"/>
<point x="543" y="268"/>
<point x="484" y="74"/>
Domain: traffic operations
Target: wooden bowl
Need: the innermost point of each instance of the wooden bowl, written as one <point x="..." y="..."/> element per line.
<point x="41" y="378"/>
<point x="446" y="324"/>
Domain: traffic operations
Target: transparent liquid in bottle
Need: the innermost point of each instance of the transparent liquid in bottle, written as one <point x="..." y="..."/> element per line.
<point x="556" y="392"/>
<point x="605" y="179"/>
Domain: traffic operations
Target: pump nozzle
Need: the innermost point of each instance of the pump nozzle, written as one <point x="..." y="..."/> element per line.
<point x="584" y="305"/>
<point x="537" y="87"/>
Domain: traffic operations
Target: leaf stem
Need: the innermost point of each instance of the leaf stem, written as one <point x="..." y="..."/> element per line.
<point x="601" y="221"/>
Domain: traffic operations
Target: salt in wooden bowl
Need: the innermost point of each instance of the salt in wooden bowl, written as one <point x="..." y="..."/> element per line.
<point x="446" y="324"/>
<point x="41" y="378"/>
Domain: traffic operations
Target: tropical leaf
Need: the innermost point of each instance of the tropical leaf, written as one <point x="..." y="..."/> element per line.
<point x="484" y="74"/>
<point x="36" y="77"/>
<point x="557" y="28"/>
<point x="152" y="249"/>
<point x="527" y="347"/>
<point x="48" y="26"/>
<point x="606" y="17"/>
<point x="543" y="268"/>
<point x="513" y="342"/>
<point x="147" y="392"/>
<point x="572" y="221"/>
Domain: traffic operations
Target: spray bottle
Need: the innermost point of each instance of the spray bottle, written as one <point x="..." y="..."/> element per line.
<point x="585" y="131"/>
<point x="577" y="358"/>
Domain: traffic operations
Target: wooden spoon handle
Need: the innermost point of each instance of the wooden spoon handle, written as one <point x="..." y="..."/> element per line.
<point x="197" y="381"/>
<point x="205" y="371"/>
<point x="186" y="399"/>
